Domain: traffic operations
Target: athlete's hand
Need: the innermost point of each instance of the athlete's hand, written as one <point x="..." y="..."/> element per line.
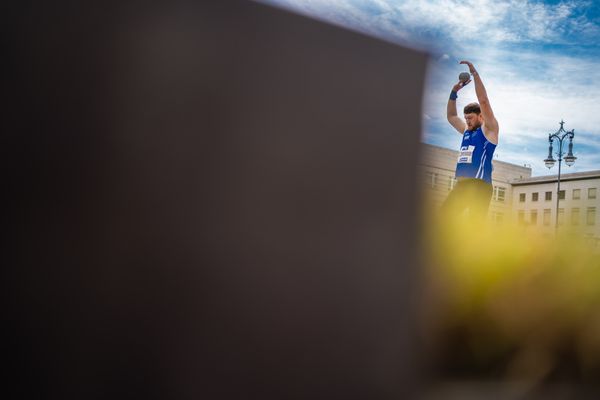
<point x="472" y="69"/>
<point x="460" y="85"/>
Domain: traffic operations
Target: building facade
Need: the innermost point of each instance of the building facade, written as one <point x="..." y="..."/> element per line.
<point x="437" y="168"/>
<point x="535" y="203"/>
<point x="519" y="197"/>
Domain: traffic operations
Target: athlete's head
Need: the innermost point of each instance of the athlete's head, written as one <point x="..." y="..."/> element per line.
<point x="473" y="116"/>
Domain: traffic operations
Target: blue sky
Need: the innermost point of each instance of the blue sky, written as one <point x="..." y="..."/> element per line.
<point x="539" y="60"/>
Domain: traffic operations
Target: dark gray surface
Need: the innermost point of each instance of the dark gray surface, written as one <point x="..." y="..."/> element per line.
<point x="210" y="201"/>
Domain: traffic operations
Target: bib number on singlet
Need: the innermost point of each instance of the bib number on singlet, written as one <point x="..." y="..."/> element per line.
<point x="466" y="155"/>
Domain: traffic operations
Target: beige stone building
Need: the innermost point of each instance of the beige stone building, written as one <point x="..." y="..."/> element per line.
<point x="519" y="197"/>
<point x="534" y="202"/>
<point x="437" y="169"/>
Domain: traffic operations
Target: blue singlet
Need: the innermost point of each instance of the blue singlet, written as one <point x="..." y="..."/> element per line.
<point x="475" y="159"/>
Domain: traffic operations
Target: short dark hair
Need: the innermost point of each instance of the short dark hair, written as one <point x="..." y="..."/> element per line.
<point x="472" y="108"/>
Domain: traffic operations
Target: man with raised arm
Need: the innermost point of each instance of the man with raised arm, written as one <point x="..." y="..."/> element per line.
<point x="479" y="130"/>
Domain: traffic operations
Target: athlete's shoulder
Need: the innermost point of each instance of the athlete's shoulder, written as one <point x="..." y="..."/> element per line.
<point x="489" y="136"/>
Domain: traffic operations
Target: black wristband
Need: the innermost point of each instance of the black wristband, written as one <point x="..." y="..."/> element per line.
<point x="453" y="95"/>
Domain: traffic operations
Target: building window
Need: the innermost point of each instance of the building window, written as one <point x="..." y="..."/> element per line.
<point x="534" y="196"/>
<point x="499" y="193"/>
<point x="521" y="217"/>
<point x="451" y="183"/>
<point x="522" y="197"/>
<point x="561" y="216"/>
<point x="548" y="196"/>
<point x="561" y="194"/>
<point x="575" y="216"/>
<point x="431" y="179"/>
<point x="591" y="193"/>
<point x="546" y="216"/>
<point x="591" y="216"/>
<point x="576" y="194"/>
<point x="533" y="217"/>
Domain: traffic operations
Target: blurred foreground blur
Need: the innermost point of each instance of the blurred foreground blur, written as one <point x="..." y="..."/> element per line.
<point x="207" y="202"/>
<point x="509" y="311"/>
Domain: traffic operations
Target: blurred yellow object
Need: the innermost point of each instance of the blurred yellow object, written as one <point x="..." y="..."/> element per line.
<point x="504" y="298"/>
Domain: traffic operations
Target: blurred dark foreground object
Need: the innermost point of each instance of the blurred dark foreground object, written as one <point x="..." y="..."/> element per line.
<point x="208" y="201"/>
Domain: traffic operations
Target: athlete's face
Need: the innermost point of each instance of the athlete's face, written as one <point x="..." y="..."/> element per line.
<point x="473" y="121"/>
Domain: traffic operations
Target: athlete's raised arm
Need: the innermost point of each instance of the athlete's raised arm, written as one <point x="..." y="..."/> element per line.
<point x="490" y="124"/>
<point x="451" y="113"/>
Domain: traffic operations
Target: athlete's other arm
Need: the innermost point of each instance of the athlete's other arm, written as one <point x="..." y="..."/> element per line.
<point x="457" y="122"/>
<point x="490" y="124"/>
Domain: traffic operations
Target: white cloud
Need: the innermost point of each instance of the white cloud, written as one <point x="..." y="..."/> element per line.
<point x="465" y="22"/>
<point x="530" y="95"/>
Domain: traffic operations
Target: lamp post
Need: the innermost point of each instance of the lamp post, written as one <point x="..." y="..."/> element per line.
<point x="560" y="135"/>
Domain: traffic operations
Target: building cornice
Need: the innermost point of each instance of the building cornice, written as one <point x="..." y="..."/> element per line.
<point x="577" y="176"/>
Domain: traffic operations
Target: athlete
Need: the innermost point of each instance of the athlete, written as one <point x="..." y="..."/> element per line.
<point x="479" y="130"/>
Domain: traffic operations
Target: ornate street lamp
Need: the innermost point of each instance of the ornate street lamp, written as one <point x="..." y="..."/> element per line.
<point x="560" y="135"/>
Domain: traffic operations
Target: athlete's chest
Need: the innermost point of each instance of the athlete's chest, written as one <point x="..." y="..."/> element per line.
<point x="472" y="138"/>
